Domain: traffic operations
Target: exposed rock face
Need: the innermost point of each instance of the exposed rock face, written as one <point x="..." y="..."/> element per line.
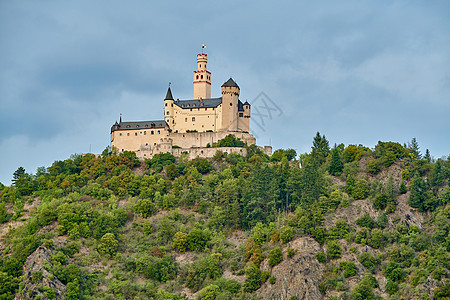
<point x="37" y="280"/>
<point x="297" y="276"/>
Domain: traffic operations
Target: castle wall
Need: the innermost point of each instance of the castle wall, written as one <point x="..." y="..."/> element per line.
<point x="207" y="152"/>
<point x="131" y="140"/>
<point x="202" y="139"/>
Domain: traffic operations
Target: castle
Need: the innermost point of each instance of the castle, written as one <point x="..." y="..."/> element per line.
<point x="190" y="126"/>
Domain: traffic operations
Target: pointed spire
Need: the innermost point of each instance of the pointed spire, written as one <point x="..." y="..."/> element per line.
<point x="169" y="94"/>
<point x="120" y="120"/>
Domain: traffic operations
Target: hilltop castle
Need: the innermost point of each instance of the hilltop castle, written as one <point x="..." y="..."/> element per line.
<point x="190" y="126"/>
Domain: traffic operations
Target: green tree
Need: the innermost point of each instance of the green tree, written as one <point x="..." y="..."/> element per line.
<point x="320" y="147"/>
<point x="336" y="163"/>
<point x="197" y="239"/>
<point x="350" y="269"/>
<point x="107" y="245"/>
<point x="351" y="153"/>
<point x="414" y="149"/>
<point x="145" y="207"/>
<point x="287" y="233"/>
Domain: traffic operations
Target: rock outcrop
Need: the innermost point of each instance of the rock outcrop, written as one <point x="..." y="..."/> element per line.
<point x="297" y="276"/>
<point x="37" y="280"/>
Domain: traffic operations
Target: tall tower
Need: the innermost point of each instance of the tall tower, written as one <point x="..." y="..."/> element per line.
<point x="230" y="102"/>
<point x="202" y="78"/>
<point x="168" y="109"/>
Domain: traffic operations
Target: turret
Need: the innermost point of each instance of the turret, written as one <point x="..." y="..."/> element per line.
<point x="230" y="101"/>
<point x="202" y="78"/>
<point x="168" y="109"/>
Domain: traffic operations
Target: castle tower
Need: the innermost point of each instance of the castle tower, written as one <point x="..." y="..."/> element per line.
<point x="230" y="100"/>
<point x="168" y="109"/>
<point x="202" y="78"/>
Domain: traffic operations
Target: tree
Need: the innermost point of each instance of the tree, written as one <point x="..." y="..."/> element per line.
<point x="350" y="269"/>
<point x="107" y="245"/>
<point x="320" y="147"/>
<point x="414" y="149"/>
<point x="287" y="233"/>
<point x="336" y="164"/>
<point x="351" y="153"/>
<point x="22" y="181"/>
<point x="418" y="195"/>
<point x="145" y="207"/>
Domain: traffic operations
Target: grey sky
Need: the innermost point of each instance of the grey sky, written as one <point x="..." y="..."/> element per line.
<point x="357" y="71"/>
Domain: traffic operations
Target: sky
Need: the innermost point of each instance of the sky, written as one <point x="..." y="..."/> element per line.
<point x="358" y="72"/>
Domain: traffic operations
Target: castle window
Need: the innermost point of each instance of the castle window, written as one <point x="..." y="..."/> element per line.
<point x="191" y="109"/>
<point x="137" y="126"/>
<point x="128" y="134"/>
<point x="166" y="104"/>
<point x="206" y="109"/>
<point x="145" y="132"/>
<point x="128" y="126"/>
<point x="231" y="104"/>
<point x="167" y="113"/>
<point x="146" y="125"/>
<point x="159" y="132"/>
<point x="197" y="76"/>
<point x="241" y="114"/>
<point x="201" y="76"/>
<point x="193" y="119"/>
<point x="152" y="132"/>
<point x="153" y="125"/>
<point x="172" y="104"/>
<point x="135" y="133"/>
<point x="173" y="121"/>
<point x="185" y="119"/>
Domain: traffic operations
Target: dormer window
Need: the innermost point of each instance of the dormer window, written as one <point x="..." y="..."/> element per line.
<point x="128" y="126"/>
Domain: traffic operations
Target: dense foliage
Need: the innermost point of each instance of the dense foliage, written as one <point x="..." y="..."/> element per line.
<point x="117" y="227"/>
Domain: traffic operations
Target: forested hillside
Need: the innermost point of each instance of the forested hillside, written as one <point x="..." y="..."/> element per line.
<point x="342" y="222"/>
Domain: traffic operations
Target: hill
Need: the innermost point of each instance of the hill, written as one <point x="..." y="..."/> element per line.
<point x="341" y="223"/>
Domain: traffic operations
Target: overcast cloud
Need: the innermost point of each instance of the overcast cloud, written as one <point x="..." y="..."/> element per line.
<point x="357" y="71"/>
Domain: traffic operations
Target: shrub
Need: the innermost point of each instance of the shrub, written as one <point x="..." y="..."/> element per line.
<point x="107" y="245"/>
<point x="275" y="257"/>
<point x="321" y="257"/>
<point x="253" y="280"/>
<point x="287" y="233"/>
<point x="180" y="241"/>
<point x="272" y="279"/>
<point x="365" y="221"/>
<point x="145" y="207"/>
<point x="290" y="252"/>
<point x="368" y="261"/>
<point x="350" y="269"/>
<point x="360" y="190"/>
<point x="334" y="249"/>
<point x="264" y="276"/>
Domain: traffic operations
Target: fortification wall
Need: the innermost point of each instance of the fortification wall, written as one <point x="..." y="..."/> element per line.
<point x="207" y="152"/>
<point x="202" y="139"/>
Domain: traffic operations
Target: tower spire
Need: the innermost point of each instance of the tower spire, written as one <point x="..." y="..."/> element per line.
<point x="120" y="120"/>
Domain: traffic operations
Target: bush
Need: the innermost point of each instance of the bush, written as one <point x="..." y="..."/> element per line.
<point x="365" y="221"/>
<point x="334" y="249"/>
<point x="264" y="276"/>
<point x="287" y="233"/>
<point x="360" y="190"/>
<point x="275" y="257"/>
<point x="290" y="252"/>
<point x="180" y="241"/>
<point x="197" y="239"/>
<point x="253" y="280"/>
<point x="145" y="207"/>
<point x="368" y="261"/>
<point x="107" y="245"/>
<point x="350" y="269"/>
<point x="272" y="279"/>
<point x="321" y="257"/>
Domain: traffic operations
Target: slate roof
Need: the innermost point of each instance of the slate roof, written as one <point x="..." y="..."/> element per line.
<point x="169" y="94"/>
<point x="240" y="106"/>
<point x="230" y="83"/>
<point x="199" y="103"/>
<point x="138" y="125"/>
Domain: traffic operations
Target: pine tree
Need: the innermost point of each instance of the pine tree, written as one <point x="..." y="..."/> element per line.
<point x="336" y="163"/>
<point x="414" y="149"/>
